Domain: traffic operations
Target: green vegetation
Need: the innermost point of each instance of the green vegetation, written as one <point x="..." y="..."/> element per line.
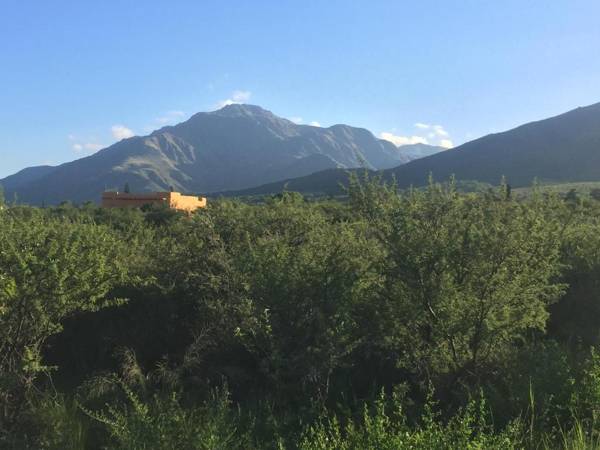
<point x="582" y="189"/>
<point x="423" y="319"/>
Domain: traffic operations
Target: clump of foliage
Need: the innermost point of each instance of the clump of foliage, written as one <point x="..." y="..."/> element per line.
<point x="49" y="270"/>
<point x="384" y="426"/>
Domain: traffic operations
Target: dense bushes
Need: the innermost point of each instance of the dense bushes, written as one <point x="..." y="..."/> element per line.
<point x="49" y="271"/>
<point x="421" y="319"/>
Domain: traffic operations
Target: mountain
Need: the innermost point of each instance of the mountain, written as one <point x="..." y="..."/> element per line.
<point x="236" y="147"/>
<point x="325" y="182"/>
<point x="565" y="148"/>
<point x="25" y="176"/>
<point x="416" y="151"/>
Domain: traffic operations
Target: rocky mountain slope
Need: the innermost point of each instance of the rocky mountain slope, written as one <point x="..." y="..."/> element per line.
<point x="236" y="147"/>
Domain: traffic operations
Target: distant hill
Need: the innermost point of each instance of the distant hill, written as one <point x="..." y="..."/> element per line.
<point x="565" y="148"/>
<point x="236" y="147"/>
<point x="416" y="151"/>
<point x="325" y="182"/>
<point x="25" y="176"/>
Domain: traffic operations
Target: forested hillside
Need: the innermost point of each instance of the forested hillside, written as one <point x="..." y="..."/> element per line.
<point x="396" y="320"/>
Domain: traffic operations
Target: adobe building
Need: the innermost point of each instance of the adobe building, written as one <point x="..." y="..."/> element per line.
<point x="173" y="200"/>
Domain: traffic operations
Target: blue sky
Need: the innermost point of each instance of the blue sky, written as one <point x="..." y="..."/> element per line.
<point x="79" y="75"/>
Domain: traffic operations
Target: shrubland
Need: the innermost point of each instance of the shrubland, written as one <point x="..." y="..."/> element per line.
<point x="393" y="319"/>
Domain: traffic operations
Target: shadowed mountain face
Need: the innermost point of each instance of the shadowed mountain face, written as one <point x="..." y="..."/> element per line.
<point x="560" y="149"/>
<point x="25" y="176"/>
<point x="236" y="147"/>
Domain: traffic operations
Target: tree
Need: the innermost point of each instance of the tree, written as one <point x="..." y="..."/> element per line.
<point x="572" y="197"/>
<point x="126" y="189"/>
<point x="49" y="270"/>
<point x="307" y="278"/>
<point x="467" y="277"/>
<point x="595" y="194"/>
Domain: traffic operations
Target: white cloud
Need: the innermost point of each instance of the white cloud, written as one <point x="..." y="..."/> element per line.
<point x="241" y="96"/>
<point x="235" y="98"/>
<point x="170" y="117"/>
<point x="446" y="143"/>
<point x="86" y="148"/>
<point x="435" y="129"/>
<point x="88" y="145"/>
<point x="300" y="120"/>
<point x="120" y="132"/>
<point x="436" y="135"/>
<point x="403" y="140"/>
<point x="93" y="147"/>
<point x="439" y="130"/>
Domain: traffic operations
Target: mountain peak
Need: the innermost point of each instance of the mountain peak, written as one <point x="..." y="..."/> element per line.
<point x="235" y="147"/>
<point x="242" y="110"/>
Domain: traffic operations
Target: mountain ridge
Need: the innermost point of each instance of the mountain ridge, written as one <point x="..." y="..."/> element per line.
<point x="236" y="147"/>
<point x="562" y="148"/>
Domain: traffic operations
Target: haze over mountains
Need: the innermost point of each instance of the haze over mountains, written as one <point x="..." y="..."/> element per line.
<point x="236" y="147"/>
<point x="563" y="148"/>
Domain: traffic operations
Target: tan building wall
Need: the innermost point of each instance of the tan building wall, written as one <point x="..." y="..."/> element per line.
<point x="173" y="200"/>
<point x="186" y="202"/>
